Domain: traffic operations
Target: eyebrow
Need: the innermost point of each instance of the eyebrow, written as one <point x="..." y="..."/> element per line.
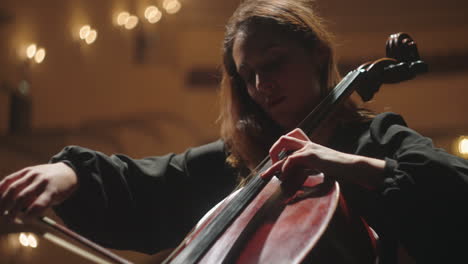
<point x="245" y="67"/>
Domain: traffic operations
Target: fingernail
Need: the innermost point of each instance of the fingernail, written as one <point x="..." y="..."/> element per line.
<point x="265" y="176"/>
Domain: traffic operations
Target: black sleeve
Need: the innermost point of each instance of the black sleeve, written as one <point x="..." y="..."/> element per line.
<point x="147" y="204"/>
<point x="425" y="196"/>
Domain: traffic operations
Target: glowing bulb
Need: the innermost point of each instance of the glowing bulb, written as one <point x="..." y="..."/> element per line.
<point x="165" y="3"/>
<point x="84" y="31"/>
<point x="463" y="145"/>
<point x="32" y="241"/>
<point x="40" y="55"/>
<point x="91" y="36"/>
<point x="172" y="6"/>
<point x="154" y="16"/>
<point x="23" y="239"/>
<point x="149" y="11"/>
<point x="132" y="21"/>
<point x="122" y="18"/>
<point x="31" y="50"/>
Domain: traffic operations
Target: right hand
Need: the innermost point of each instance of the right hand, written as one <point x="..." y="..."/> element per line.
<point x="34" y="189"/>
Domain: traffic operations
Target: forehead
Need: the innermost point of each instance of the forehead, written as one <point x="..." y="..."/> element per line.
<point x="255" y="41"/>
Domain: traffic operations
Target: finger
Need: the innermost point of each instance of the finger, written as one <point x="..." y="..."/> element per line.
<point x="293" y="173"/>
<point x="39" y="206"/>
<point x="296" y="160"/>
<point x="26" y="197"/>
<point x="285" y="144"/>
<point x="275" y="169"/>
<point x="7" y="200"/>
<point x="299" y="134"/>
<point x="11" y="178"/>
<point x="299" y="161"/>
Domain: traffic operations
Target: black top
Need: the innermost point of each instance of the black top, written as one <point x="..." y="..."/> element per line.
<point x="150" y="204"/>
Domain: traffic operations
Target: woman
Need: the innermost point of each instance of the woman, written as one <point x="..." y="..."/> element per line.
<point x="278" y="64"/>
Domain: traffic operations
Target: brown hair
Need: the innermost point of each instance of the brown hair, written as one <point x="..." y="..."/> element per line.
<point x="246" y="129"/>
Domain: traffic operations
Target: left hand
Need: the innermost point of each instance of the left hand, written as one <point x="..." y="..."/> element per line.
<point x="307" y="156"/>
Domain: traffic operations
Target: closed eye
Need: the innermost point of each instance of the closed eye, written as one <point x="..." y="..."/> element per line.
<point x="273" y="65"/>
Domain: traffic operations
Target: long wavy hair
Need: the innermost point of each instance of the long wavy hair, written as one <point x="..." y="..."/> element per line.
<point x="246" y="130"/>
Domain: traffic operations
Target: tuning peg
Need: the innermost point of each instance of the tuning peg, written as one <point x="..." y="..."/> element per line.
<point x="418" y="67"/>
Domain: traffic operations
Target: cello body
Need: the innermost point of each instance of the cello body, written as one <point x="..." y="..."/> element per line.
<point x="312" y="225"/>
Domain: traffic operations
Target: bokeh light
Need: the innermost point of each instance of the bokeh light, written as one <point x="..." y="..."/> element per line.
<point x="84" y="31"/>
<point x="31" y="50"/>
<point x="463" y="145"/>
<point x="132" y="22"/>
<point x="40" y="55"/>
<point x="172" y="6"/>
<point x="91" y="37"/>
<point x="122" y="18"/>
<point x="152" y="14"/>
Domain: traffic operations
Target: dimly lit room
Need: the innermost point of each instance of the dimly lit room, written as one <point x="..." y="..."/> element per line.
<point x="122" y="93"/>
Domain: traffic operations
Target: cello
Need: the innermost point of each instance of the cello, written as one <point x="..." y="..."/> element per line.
<point x="235" y="234"/>
<point x="268" y="223"/>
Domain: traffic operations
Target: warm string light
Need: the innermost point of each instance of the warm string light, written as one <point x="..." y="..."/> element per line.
<point x="132" y="22"/>
<point x="172" y="6"/>
<point x="31" y="51"/>
<point x="152" y="14"/>
<point x="462" y="146"/>
<point x="28" y="240"/>
<point x="35" y="53"/>
<point x="124" y="19"/>
<point x="40" y="55"/>
<point x="88" y="34"/>
<point x="127" y="20"/>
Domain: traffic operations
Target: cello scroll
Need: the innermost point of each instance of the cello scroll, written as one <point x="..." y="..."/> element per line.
<point x="401" y="64"/>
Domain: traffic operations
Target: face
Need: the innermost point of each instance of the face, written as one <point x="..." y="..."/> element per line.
<point x="281" y="76"/>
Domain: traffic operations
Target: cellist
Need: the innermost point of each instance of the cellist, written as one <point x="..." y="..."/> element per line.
<point x="278" y="62"/>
